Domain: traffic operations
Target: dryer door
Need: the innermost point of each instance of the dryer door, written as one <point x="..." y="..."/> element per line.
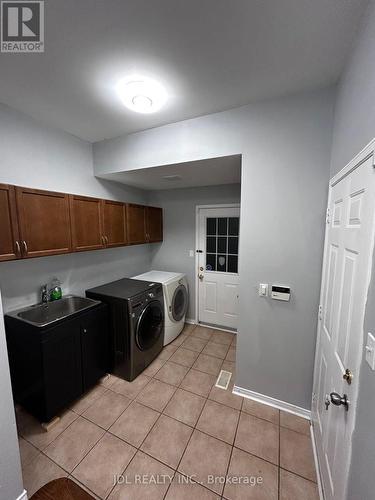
<point x="150" y="325"/>
<point x="179" y="303"/>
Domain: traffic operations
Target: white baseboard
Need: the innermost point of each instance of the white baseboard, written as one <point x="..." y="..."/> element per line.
<point x="190" y="321"/>
<point x="23" y="496"/>
<point x="275" y="403"/>
<point x="220" y="328"/>
<point x="208" y="325"/>
<point x="317" y="468"/>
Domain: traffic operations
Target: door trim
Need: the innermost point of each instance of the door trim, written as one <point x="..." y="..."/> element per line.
<point x="196" y="262"/>
<point x="23" y="496"/>
<point x="316" y="462"/>
<point x="361" y="157"/>
<point x="275" y="403"/>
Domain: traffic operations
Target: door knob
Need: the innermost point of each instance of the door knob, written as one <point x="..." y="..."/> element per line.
<point x="338" y="400"/>
<point x="348" y="376"/>
<point x="200" y="276"/>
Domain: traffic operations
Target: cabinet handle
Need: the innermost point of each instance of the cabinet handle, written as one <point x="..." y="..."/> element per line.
<point x="18" y="249"/>
<point x="25" y="247"/>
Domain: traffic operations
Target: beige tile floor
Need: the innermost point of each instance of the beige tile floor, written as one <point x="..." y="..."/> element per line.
<point x="171" y="424"/>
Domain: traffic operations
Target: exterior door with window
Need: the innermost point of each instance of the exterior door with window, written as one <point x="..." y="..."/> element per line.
<point x="218" y="279"/>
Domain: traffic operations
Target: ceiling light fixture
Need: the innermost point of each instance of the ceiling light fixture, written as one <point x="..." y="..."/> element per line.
<point x="142" y="95"/>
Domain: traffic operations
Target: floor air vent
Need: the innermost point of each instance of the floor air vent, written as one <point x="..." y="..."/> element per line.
<point x="223" y="379"/>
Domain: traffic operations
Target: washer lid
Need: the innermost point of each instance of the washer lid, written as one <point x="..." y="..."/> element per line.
<point x="159" y="276"/>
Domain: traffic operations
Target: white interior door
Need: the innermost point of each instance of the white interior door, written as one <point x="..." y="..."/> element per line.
<point x="218" y="279"/>
<point x="346" y="274"/>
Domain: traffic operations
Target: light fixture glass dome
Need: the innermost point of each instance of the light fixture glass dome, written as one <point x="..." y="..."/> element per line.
<point x="142" y="95"/>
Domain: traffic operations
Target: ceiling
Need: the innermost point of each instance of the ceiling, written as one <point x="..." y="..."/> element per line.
<point x="208" y="172"/>
<point x="211" y="55"/>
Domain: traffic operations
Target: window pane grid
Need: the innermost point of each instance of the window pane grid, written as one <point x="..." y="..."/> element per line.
<point x="222" y="244"/>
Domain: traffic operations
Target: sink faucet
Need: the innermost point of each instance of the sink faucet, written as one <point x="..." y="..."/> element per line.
<point x="44" y="294"/>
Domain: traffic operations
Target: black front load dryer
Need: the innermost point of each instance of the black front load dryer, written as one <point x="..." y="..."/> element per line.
<point x="136" y="324"/>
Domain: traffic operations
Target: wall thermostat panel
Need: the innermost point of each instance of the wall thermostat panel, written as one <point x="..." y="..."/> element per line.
<point x="279" y="292"/>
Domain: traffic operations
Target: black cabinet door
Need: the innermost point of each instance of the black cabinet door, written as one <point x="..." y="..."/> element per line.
<point x="61" y="354"/>
<point x="94" y="342"/>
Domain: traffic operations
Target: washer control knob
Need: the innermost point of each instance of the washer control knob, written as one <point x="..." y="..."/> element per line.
<point x="151" y="295"/>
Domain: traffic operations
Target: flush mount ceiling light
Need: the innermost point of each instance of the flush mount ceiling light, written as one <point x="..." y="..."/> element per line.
<point x="142" y="95"/>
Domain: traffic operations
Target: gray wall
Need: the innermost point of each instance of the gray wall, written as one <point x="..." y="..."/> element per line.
<point x="36" y="156"/>
<point x="286" y="146"/>
<point x="10" y="467"/>
<point x="179" y="228"/>
<point x="354" y="127"/>
<point x="354" y="117"/>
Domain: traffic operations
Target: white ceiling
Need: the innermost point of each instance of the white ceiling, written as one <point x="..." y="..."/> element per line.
<point x="209" y="172"/>
<point x="210" y="54"/>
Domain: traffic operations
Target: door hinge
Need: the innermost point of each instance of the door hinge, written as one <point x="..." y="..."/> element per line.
<point x="320" y="312"/>
<point x="328" y="216"/>
<point x="313" y="397"/>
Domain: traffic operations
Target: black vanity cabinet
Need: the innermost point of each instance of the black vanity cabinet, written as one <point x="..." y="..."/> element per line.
<point x="54" y="365"/>
<point x="94" y="347"/>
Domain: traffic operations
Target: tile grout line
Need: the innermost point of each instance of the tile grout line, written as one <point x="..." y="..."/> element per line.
<point x="84" y="487"/>
<point x="132" y="399"/>
<point x="139" y="447"/>
<point x="231" y="451"/>
<point x="160" y="414"/>
<point x="92" y="447"/>
<point x="193" y="429"/>
<point x="187" y="444"/>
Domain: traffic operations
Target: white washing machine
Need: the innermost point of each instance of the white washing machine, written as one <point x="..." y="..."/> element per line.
<point x="176" y="299"/>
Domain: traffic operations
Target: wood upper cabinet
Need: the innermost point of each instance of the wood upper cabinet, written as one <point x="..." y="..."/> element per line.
<point x="9" y="236"/>
<point x="36" y="223"/>
<point x="44" y="222"/>
<point x="136" y="223"/>
<point x="114" y="223"/>
<point x="154" y="224"/>
<point x="87" y="223"/>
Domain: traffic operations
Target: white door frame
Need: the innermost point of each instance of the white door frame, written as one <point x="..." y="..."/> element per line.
<point x="360" y="158"/>
<point x="196" y="260"/>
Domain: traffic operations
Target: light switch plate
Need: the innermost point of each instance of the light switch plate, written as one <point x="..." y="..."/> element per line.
<point x="370" y="350"/>
<point x="191" y="253"/>
<point x="263" y="289"/>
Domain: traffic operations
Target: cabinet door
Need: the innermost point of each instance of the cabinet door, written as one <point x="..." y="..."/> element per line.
<point x="114" y="223"/>
<point x="62" y="368"/>
<point x="86" y="216"/>
<point x="154" y="227"/>
<point x="94" y="342"/>
<point x="44" y="222"/>
<point x="9" y="237"/>
<point x="136" y="223"/>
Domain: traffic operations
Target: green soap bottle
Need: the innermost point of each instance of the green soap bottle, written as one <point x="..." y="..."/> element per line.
<point x="56" y="292"/>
